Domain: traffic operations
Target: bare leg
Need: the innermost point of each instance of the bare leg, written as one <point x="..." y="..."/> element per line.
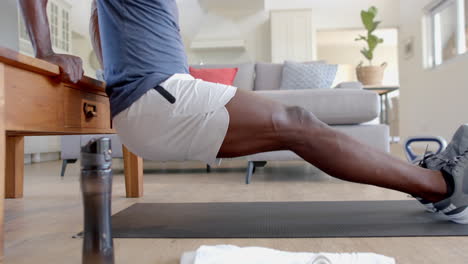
<point x="258" y="125"/>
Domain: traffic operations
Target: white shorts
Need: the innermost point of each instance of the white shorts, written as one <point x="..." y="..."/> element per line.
<point x="193" y="128"/>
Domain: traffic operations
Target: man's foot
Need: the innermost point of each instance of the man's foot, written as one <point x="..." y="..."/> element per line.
<point x="455" y="207"/>
<point x="456" y="147"/>
<point x="458" y="144"/>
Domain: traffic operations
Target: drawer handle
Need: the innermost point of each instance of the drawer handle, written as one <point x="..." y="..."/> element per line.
<point x="90" y="110"/>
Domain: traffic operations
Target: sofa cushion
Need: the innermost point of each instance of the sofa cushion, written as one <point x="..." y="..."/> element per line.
<point x="245" y="74"/>
<point x="297" y="76"/>
<point x="223" y="76"/>
<point x="350" y="85"/>
<point x="376" y="136"/>
<point x="332" y="106"/>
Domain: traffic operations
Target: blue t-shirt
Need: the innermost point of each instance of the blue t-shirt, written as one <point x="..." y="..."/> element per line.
<point x="141" y="46"/>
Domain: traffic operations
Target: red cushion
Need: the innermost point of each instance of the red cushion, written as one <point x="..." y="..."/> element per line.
<point x="223" y="76"/>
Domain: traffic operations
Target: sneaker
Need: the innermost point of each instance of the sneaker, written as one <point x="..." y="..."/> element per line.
<point x="428" y="206"/>
<point x="458" y="145"/>
<point x="455" y="207"/>
<point x="438" y="161"/>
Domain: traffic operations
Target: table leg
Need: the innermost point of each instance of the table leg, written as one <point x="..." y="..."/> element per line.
<point x="133" y="166"/>
<point x="2" y="158"/>
<point x="382" y="121"/>
<point x="14" y="170"/>
<point x="387" y="109"/>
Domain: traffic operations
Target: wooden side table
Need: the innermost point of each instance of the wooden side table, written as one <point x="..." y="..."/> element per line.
<point x="33" y="102"/>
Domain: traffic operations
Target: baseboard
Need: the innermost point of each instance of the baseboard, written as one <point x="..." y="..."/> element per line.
<point x="43" y="157"/>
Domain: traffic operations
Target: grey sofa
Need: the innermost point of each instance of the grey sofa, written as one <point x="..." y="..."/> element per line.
<point x="346" y="107"/>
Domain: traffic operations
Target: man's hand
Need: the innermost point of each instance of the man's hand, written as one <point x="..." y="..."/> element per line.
<point x="71" y="67"/>
<point x="35" y="16"/>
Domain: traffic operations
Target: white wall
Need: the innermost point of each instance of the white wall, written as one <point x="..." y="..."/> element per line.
<point x="8" y="24"/>
<point x="80" y="15"/>
<point x="434" y="101"/>
<point x="253" y="25"/>
<point x="340" y="47"/>
<point x="350" y="55"/>
<point x="333" y="14"/>
<point x="81" y="11"/>
<point x="82" y="48"/>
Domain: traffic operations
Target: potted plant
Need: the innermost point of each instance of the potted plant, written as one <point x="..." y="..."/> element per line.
<point x="370" y="75"/>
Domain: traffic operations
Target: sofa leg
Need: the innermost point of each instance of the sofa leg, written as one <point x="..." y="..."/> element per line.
<point x="65" y="162"/>
<point x="251" y="168"/>
<point x="250" y="172"/>
<point x="208" y="168"/>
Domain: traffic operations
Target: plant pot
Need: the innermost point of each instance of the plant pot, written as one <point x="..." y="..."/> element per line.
<point x="371" y="75"/>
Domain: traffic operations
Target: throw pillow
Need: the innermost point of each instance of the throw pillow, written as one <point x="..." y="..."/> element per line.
<point x="269" y="75"/>
<point x="245" y="76"/>
<point x="224" y="76"/>
<point x="298" y="76"/>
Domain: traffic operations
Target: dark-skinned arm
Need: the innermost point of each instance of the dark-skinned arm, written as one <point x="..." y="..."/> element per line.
<point x="37" y="24"/>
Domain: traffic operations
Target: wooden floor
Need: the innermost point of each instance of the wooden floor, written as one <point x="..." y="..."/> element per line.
<point x="39" y="228"/>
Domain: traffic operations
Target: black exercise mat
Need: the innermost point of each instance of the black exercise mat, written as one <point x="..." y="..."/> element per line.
<point x="282" y="220"/>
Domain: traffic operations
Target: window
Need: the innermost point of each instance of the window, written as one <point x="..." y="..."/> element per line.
<point x="446" y="24"/>
<point x="53" y="23"/>
<point x="59" y="21"/>
<point x="25" y="46"/>
<point x="65" y="30"/>
<point x="22" y="30"/>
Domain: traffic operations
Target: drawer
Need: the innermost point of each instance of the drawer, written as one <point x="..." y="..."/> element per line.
<point x="32" y="101"/>
<point x="85" y="109"/>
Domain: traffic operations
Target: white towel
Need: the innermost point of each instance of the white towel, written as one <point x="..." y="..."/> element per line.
<point x="227" y="254"/>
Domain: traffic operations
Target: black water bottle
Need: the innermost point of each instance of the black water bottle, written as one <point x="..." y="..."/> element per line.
<point x="96" y="187"/>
